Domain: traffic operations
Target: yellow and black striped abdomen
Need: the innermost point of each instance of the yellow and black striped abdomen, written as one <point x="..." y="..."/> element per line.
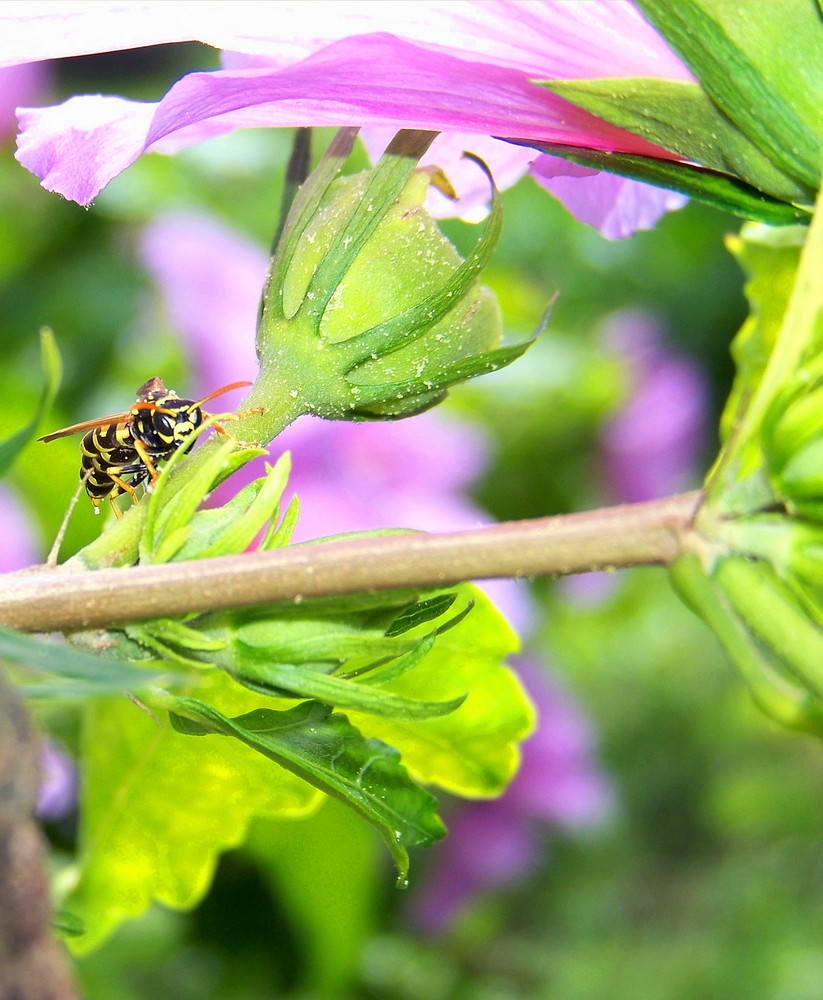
<point x="108" y="452"/>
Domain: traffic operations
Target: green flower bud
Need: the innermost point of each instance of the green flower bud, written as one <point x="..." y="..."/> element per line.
<point x="793" y="448"/>
<point x="369" y="311"/>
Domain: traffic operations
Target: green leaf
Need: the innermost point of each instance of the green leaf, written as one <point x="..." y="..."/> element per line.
<point x="53" y="373"/>
<point x="80" y="672"/>
<point x="159" y="807"/>
<point x="760" y="64"/>
<point x="473" y="751"/>
<point x="333" y="897"/>
<point x="681" y="118"/>
<point x="327" y="751"/>
<point x="707" y="186"/>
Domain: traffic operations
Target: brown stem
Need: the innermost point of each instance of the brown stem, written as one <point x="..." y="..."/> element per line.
<point x="33" y="966"/>
<point x="633" y="535"/>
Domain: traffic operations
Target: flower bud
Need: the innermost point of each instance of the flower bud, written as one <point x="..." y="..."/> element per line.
<point x="369" y="308"/>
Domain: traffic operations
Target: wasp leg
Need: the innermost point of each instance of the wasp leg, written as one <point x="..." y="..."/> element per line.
<point x="146" y="459"/>
<point x="235" y="416"/>
<point x="120" y="487"/>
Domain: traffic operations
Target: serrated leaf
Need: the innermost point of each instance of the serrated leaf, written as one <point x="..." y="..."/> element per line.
<point x="327" y="751"/>
<point x="681" y="118"/>
<point x="53" y="373"/>
<point x="158" y="808"/>
<point x="473" y="751"/>
<point x="761" y="66"/>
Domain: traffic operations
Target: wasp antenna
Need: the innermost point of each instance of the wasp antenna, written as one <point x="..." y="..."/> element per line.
<point x="219" y="392"/>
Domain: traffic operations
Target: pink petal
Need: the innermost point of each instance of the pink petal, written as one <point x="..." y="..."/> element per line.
<point x="552" y="39"/>
<point x="77" y="147"/>
<point x="614" y="205"/>
<point x="376" y="78"/>
<point x="507" y="162"/>
<point x="587" y="38"/>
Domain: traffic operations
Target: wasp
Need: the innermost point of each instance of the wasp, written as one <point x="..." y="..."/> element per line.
<point x="120" y="452"/>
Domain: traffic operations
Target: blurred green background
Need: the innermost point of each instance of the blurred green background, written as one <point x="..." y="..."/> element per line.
<point x="706" y="879"/>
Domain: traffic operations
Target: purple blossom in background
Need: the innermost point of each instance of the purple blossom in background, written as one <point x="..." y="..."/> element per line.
<point x="651" y="447"/>
<point x="465" y="69"/>
<point x="58" y="783"/>
<point x="19" y="85"/>
<point x="558" y="788"/>
<point x="19" y="547"/>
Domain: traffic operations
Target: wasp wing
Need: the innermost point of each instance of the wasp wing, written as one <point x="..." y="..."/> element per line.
<point x="86" y="425"/>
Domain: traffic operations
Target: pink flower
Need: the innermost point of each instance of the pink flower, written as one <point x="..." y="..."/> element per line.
<point x="19" y="548"/>
<point x="651" y="447"/>
<point x="463" y="69"/>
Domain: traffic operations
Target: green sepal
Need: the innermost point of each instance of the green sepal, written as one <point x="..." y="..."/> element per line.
<point x="421" y="612"/>
<point x="393" y="333"/>
<point x="286" y="680"/>
<point x="383" y="186"/>
<point x="680" y="117"/>
<point x="169" y="530"/>
<point x="706" y="186"/>
<point x="52" y="375"/>
<point x="242" y="518"/>
<point x="302" y="211"/>
<point x="760" y="64"/>
<point x="324" y="749"/>
<point x="400" y="399"/>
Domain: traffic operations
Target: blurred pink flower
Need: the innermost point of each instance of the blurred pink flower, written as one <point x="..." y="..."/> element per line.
<point x="559" y="787"/>
<point x="20" y="85"/>
<point x="652" y="445"/>
<point x="19" y="547"/>
<point x="58" y="783"/>
<point x="457" y="68"/>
